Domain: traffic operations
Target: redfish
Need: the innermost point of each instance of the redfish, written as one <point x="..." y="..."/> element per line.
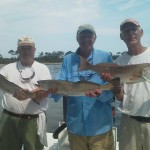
<point x="128" y="74"/>
<point x="79" y="88"/>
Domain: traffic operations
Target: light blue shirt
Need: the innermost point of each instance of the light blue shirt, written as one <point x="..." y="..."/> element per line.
<point x="87" y="116"/>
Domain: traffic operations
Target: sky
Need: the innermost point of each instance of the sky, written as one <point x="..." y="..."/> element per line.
<point x="53" y="23"/>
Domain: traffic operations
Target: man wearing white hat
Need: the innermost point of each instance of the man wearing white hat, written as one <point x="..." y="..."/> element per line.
<point x="23" y="123"/>
<point x="135" y="108"/>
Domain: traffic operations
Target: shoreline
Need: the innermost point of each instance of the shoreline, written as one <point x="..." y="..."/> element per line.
<point x="53" y="63"/>
<point x="46" y="63"/>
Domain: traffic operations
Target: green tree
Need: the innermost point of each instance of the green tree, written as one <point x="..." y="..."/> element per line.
<point x="69" y="52"/>
<point x="1" y="59"/>
<point x="12" y="52"/>
<point x="41" y="55"/>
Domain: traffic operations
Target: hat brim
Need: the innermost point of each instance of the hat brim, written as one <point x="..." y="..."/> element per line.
<point x="86" y="30"/>
<point x="26" y="44"/>
<point x="129" y="22"/>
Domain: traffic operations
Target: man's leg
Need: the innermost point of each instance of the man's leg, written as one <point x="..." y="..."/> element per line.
<point x="9" y="133"/>
<point x="102" y="142"/>
<point x="29" y="134"/>
<point x="145" y="135"/>
<point x="77" y="142"/>
<point x="129" y="134"/>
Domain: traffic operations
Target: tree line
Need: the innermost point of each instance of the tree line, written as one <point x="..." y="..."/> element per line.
<point x="43" y="57"/>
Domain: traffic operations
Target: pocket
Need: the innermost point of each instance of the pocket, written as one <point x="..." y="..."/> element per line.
<point x="73" y="76"/>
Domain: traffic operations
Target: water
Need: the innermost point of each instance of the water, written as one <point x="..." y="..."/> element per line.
<point x="55" y="110"/>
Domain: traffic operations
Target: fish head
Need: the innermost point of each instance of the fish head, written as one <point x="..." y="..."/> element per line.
<point x="42" y="84"/>
<point x="39" y="86"/>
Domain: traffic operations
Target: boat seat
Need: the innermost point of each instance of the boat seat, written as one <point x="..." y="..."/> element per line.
<point x="63" y="143"/>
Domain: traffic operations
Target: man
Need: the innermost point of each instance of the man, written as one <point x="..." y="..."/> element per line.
<point x="89" y="118"/>
<point x="23" y="122"/>
<point x="135" y="108"/>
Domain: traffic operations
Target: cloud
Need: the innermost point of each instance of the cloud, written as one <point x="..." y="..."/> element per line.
<point x="52" y="15"/>
<point x="55" y="22"/>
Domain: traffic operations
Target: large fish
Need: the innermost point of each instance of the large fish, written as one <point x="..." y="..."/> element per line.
<point x="79" y="88"/>
<point x="12" y="88"/>
<point x="128" y="74"/>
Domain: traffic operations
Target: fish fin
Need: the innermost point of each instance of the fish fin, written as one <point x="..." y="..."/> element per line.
<point x="83" y="64"/>
<point x="147" y="79"/>
<point x="108" y="65"/>
<point x="116" y="82"/>
<point x="146" y="74"/>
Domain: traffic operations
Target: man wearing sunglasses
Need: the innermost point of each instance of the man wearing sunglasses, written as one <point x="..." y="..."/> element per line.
<point x="89" y="118"/>
<point x="23" y="123"/>
<point x="135" y="121"/>
<point x="135" y="98"/>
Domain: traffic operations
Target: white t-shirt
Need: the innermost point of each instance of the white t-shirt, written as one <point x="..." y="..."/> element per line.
<point x="11" y="72"/>
<point x="136" y="100"/>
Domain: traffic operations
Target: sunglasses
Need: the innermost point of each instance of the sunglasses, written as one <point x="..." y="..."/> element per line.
<point x="26" y="79"/>
<point x="85" y="77"/>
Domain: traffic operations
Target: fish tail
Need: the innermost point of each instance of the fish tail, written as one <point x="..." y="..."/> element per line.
<point x="84" y="64"/>
<point x="115" y="83"/>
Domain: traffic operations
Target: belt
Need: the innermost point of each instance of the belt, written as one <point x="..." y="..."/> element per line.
<point x="24" y="116"/>
<point x="141" y="119"/>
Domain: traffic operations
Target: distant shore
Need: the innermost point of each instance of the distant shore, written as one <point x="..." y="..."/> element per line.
<point x="46" y="63"/>
<point x="53" y="63"/>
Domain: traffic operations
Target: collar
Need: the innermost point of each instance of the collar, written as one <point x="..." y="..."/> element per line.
<point x="90" y="57"/>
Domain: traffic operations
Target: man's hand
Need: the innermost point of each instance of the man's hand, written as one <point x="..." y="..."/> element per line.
<point x="22" y="95"/>
<point x="93" y="93"/>
<point x="36" y="94"/>
<point x="52" y="91"/>
<point x="106" y="77"/>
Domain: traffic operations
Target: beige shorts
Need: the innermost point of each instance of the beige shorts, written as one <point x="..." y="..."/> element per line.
<point x="134" y="135"/>
<point x="98" y="142"/>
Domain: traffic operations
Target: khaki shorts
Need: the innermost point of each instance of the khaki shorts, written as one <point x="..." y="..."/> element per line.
<point x="134" y="135"/>
<point x="98" y="142"/>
